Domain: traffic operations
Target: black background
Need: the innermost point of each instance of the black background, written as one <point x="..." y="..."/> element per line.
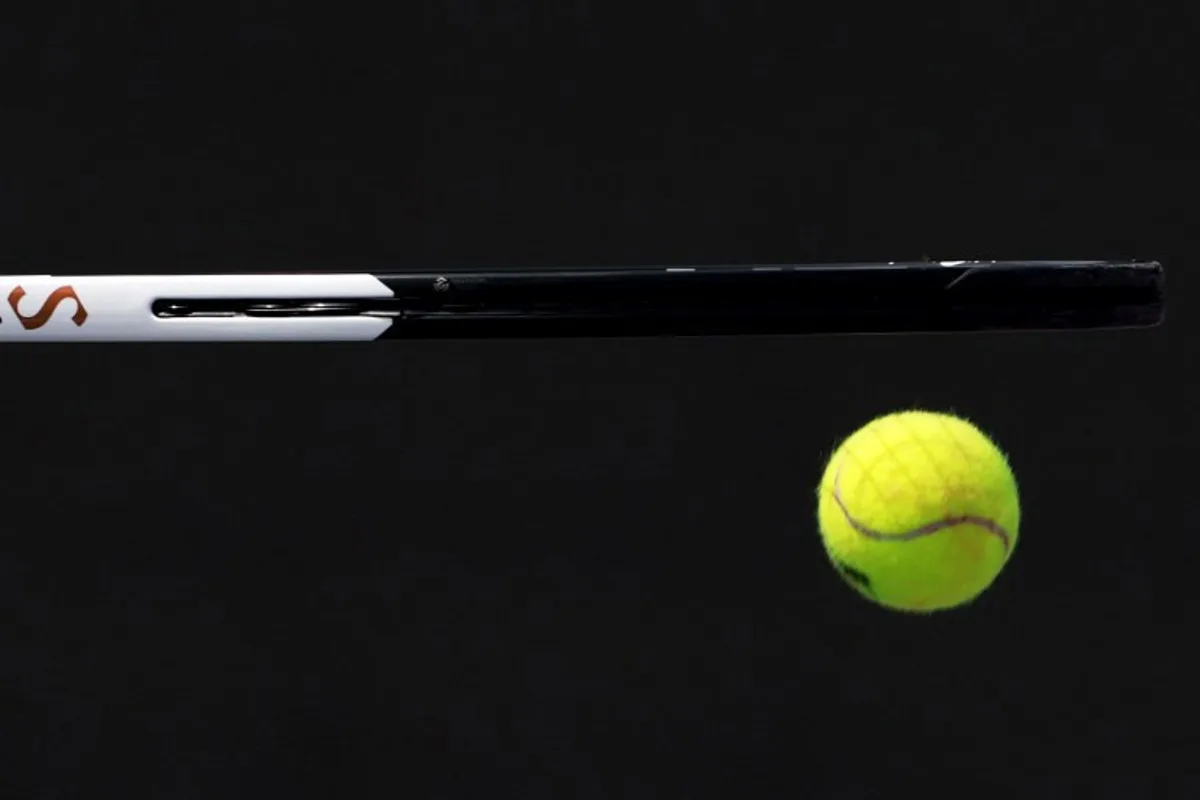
<point x="587" y="568"/>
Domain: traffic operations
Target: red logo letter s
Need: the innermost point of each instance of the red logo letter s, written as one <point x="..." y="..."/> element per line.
<point x="44" y="313"/>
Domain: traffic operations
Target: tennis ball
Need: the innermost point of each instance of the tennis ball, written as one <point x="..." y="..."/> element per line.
<point x="919" y="511"/>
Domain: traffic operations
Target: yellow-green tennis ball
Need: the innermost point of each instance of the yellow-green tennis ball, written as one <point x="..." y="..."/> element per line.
<point x="919" y="511"/>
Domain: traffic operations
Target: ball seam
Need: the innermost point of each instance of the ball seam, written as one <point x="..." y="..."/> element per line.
<point x="988" y="525"/>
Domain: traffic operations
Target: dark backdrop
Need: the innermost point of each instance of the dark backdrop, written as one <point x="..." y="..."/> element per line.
<point x="588" y="568"/>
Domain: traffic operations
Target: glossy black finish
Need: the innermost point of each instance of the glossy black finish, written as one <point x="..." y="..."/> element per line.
<point x="848" y="298"/>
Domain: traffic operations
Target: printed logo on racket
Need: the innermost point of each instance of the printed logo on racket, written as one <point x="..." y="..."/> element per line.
<point x="37" y="319"/>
